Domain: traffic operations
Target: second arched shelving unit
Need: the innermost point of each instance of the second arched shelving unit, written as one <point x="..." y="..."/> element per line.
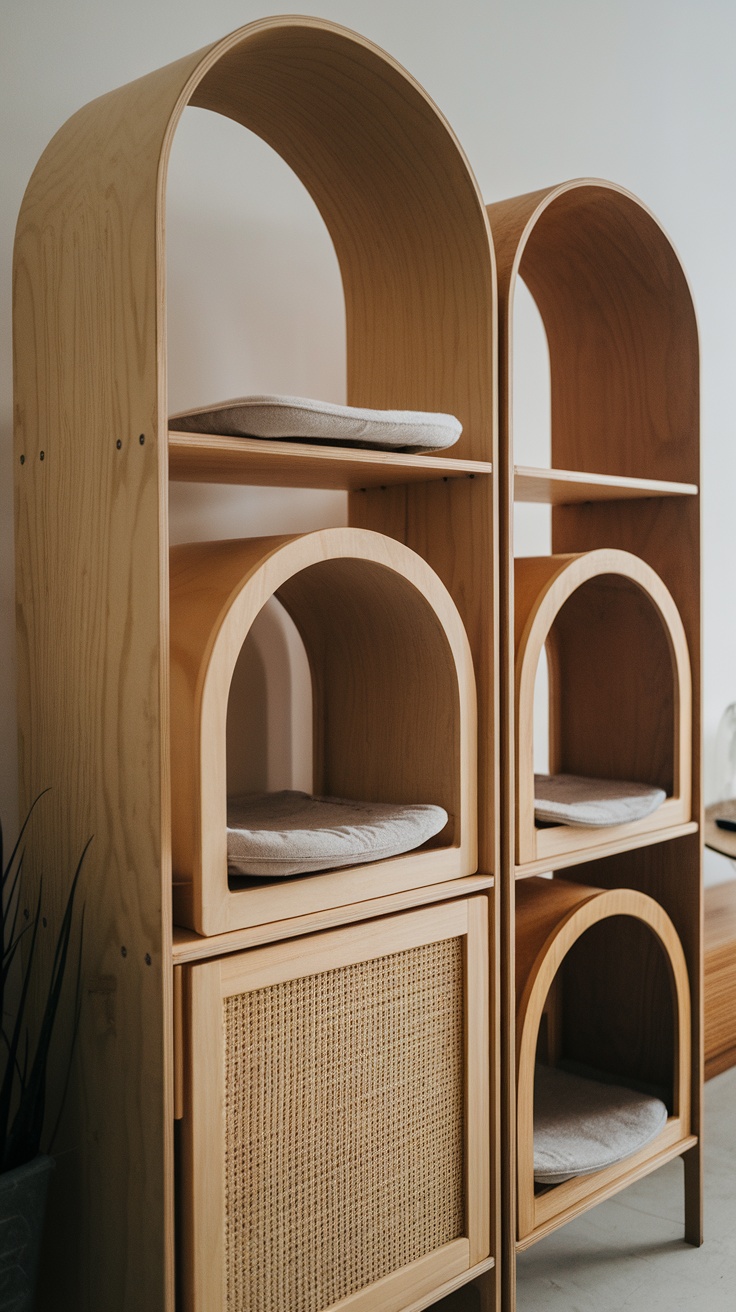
<point x="622" y="639"/>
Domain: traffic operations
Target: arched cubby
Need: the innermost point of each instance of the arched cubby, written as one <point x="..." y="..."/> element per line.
<point x="601" y="1026"/>
<point x="619" y="687"/>
<point x="394" y="709"/>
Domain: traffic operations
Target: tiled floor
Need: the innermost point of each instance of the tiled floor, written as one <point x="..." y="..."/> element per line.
<point x="628" y="1255"/>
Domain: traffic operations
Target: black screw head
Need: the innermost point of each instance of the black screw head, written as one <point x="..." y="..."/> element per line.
<point x="118" y="444"/>
<point x="148" y="958"/>
<point x="123" y="952"/>
<point x="22" y="460"/>
<point x="41" y="455"/>
<point x="142" y="438"/>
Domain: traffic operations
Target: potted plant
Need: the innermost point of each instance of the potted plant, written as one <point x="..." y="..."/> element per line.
<point x="24" y="1057"/>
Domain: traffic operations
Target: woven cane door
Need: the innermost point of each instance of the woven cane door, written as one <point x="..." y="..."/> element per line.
<point x="336" y="1129"/>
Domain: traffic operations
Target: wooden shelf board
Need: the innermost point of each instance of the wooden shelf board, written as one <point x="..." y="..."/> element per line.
<point x="562" y="860"/>
<point x="189" y="946"/>
<point x="559" y="487"/>
<point x="197" y="458"/>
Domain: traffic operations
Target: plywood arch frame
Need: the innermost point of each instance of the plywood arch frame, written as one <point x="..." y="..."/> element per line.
<point x="545" y="935"/>
<point x="394" y="700"/>
<point x="620" y="323"/>
<point x="543" y="587"/>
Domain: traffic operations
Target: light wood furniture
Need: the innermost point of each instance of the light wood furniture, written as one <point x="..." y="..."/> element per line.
<point x="623" y="355"/>
<point x="93" y="456"/>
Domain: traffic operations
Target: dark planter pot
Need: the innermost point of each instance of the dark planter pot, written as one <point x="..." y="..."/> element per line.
<point x="22" y="1207"/>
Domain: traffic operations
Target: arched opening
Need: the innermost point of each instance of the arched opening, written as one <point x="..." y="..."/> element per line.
<point x="393" y="700"/>
<point x="618" y="702"/>
<point x="603" y="1042"/>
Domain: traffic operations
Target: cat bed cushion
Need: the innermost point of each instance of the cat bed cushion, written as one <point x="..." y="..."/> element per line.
<point x="293" y="833"/>
<point x="581" y="1125"/>
<point x="570" y="799"/>
<point x="297" y="418"/>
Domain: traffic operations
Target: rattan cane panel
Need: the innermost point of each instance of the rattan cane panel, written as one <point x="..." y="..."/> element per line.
<point x="344" y="1128"/>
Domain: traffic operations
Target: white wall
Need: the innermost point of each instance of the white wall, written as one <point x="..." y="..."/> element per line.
<point x="640" y="91"/>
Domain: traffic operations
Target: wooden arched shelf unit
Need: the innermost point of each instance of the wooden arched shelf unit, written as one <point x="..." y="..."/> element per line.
<point x="623" y="476"/>
<point x="551" y="916"/>
<point x="392" y="672"/>
<point x="93" y="457"/>
<point x="619" y="687"/>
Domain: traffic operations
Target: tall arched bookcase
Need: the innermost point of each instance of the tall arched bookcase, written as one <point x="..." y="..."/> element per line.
<point x="93" y="458"/>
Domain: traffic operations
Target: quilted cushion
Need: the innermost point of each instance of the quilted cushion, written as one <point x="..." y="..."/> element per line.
<point x="299" y="419"/>
<point x="570" y="799"/>
<point x="581" y="1125"/>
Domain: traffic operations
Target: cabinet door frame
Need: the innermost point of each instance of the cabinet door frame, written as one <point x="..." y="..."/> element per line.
<point x="209" y="983"/>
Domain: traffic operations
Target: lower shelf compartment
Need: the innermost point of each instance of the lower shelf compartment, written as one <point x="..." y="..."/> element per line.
<point x="626" y="1012"/>
<point x="335" y="1140"/>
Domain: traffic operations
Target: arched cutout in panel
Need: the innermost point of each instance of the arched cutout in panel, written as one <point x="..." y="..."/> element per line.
<point x="620" y="692"/>
<point x="394" y="708"/>
<point x="553" y="918"/>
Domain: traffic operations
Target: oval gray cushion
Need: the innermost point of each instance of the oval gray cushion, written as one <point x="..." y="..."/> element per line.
<point x="297" y="418"/>
<point x="571" y="799"/>
<point x="581" y="1125"/>
<point x="292" y="833"/>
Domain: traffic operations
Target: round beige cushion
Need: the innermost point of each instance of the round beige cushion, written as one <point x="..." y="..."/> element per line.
<point x="292" y="833"/>
<point x="581" y="1125"/>
<point x="571" y="799"/>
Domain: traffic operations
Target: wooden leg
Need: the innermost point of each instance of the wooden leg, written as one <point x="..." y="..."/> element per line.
<point x="694" y="1196"/>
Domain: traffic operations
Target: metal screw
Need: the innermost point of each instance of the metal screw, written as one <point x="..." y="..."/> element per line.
<point x="142" y="438"/>
<point x="22" y="460"/>
<point x="41" y="455"/>
<point x="118" y="444"/>
<point x="123" y="952"/>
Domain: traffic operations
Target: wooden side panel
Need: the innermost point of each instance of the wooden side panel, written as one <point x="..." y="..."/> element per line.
<point x="92" y="644"/>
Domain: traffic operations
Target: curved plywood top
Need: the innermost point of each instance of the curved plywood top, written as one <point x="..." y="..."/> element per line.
<point x="620" y="323"/>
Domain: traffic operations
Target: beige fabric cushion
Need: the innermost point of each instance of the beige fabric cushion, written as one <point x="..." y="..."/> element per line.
<point x="299" y="419"/>
<point x="292" y="833"/>
<point x="571" y="799"/>
<point x="581" y="1125"/>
